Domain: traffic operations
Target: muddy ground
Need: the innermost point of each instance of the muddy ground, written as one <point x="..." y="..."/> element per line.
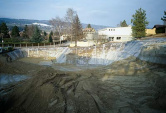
<point x="127" y="86"/>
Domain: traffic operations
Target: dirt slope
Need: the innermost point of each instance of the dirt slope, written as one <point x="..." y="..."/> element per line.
<point x="128" y="86"/>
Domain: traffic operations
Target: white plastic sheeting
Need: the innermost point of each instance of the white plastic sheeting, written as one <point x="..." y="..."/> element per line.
<point x="132" y="48"/>
<point x="16" y="54"/>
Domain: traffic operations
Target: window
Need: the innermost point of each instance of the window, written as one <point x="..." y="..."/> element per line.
<point x="118" y="38"/>
<point x="111" y="29"/>
<point x="111" y="38"/>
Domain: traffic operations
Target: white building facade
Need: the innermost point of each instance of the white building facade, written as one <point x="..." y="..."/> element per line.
<point x="119" y="34"/>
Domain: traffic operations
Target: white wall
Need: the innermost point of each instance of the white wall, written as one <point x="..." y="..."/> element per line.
<point x="124" y="32"/>
<point x="82" y="44"/>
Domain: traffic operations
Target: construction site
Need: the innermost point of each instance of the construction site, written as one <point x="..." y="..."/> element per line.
<point x="114" y="77"/>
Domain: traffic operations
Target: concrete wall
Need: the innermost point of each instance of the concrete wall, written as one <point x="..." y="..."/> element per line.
<point x="82" y="44"/>
<point x="47" y="53"/>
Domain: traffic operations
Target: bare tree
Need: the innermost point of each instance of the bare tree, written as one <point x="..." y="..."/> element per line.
<point x="69" y="19"/>
<point x="101" y="38"/>
<point x="29" y="30"/>
<point x="58" y="23"/>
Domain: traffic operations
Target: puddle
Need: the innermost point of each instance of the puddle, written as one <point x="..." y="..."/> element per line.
<point x="45" y="63"/>
<point x="10" y="79"/>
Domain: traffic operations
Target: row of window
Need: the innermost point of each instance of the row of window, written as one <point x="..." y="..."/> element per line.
<point x="112" y="38"/>
<point x="111" y="29"/>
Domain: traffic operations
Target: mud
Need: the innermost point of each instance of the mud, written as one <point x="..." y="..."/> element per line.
<point x="126" y="86"/>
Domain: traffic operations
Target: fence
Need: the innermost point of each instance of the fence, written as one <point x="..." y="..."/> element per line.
<point x="20" y="45"/>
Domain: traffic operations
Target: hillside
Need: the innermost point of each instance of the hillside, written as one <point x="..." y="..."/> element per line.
<point x="43" y="24"/>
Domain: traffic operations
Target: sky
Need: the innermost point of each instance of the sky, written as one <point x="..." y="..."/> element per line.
<point x="98" y="12"/>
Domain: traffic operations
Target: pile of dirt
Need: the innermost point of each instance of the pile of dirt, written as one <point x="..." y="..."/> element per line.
<point x="129" y="86"/>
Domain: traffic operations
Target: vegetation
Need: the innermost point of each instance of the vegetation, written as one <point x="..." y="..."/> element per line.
<point x="4" y="30"/>
<point x="123" y="24"/>
<point x="50" y="37"/>
<point x="45" y="34"/>
<point x="58" y="23"/>
<point x="89" y="26"/>
<point x="36" y="37"/>
<point x="15" y="32"/>
<point x="70" y="25"/>
<point x="139" y="23"/>
<point x="26" y="32"/>
<point x="69" y="18"/>
<point x="164" y="19"/>
<point x="77" y="29"/>
<point x="51" y="33"/>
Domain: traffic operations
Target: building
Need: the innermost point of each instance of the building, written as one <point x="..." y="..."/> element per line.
<point x="118" y="34"/>
<point x="150" y="32"/>
<point x="160" y="28"/>
<point x="89" y="33"/>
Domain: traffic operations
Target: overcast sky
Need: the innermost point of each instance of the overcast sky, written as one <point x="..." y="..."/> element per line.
<point x="99" y="12"/>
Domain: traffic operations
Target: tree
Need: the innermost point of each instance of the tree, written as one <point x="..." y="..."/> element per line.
<point x="164" y="19"/>
<point x="0" y="28"/>
<point x="123" y="24"/>
<point x="4" y="30"/>
<point x="45" y="34"/>
<point x="89" y="26"/>
<point x="58" y="23"/>
<point x="29" y="31"/>
<point x="50" y="37"/>
<point x="36" y="37"/>
<point x="139" y="23"/>
<point x="15" y="32"/>
<point x="51" y="33"/>
<point x="77" y="29"/>
<point x="69" y="18"/>
<point x="26" y="31"/>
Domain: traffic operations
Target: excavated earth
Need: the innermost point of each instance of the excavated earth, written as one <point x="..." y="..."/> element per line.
<point x="126" y="86"/>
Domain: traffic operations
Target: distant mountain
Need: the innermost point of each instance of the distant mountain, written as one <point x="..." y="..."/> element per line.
<point x="43" y="24"/>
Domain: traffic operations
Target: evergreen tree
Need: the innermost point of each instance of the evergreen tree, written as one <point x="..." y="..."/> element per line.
<point x="26" y="31"/>
<point x="45" y="34"/>
<point x="36" y="37"/>
<point x="89" y="26"/>
<point x="77" y="29"/>
<point x="4" y="30"/>
<point x="51" y="33"/>
<point x="139" y="23"/>
<point x="50" y="37"/>
<point x="0" y="28"/>
<point x="123" y="24"/>
<point x="164" y="19"/>
<point x="15" y="32"/>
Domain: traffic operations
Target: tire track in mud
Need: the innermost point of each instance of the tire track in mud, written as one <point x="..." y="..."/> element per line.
<point x="99" y="104"/>
<point x="79" y="93"/>
<point x="67" y="85"/>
